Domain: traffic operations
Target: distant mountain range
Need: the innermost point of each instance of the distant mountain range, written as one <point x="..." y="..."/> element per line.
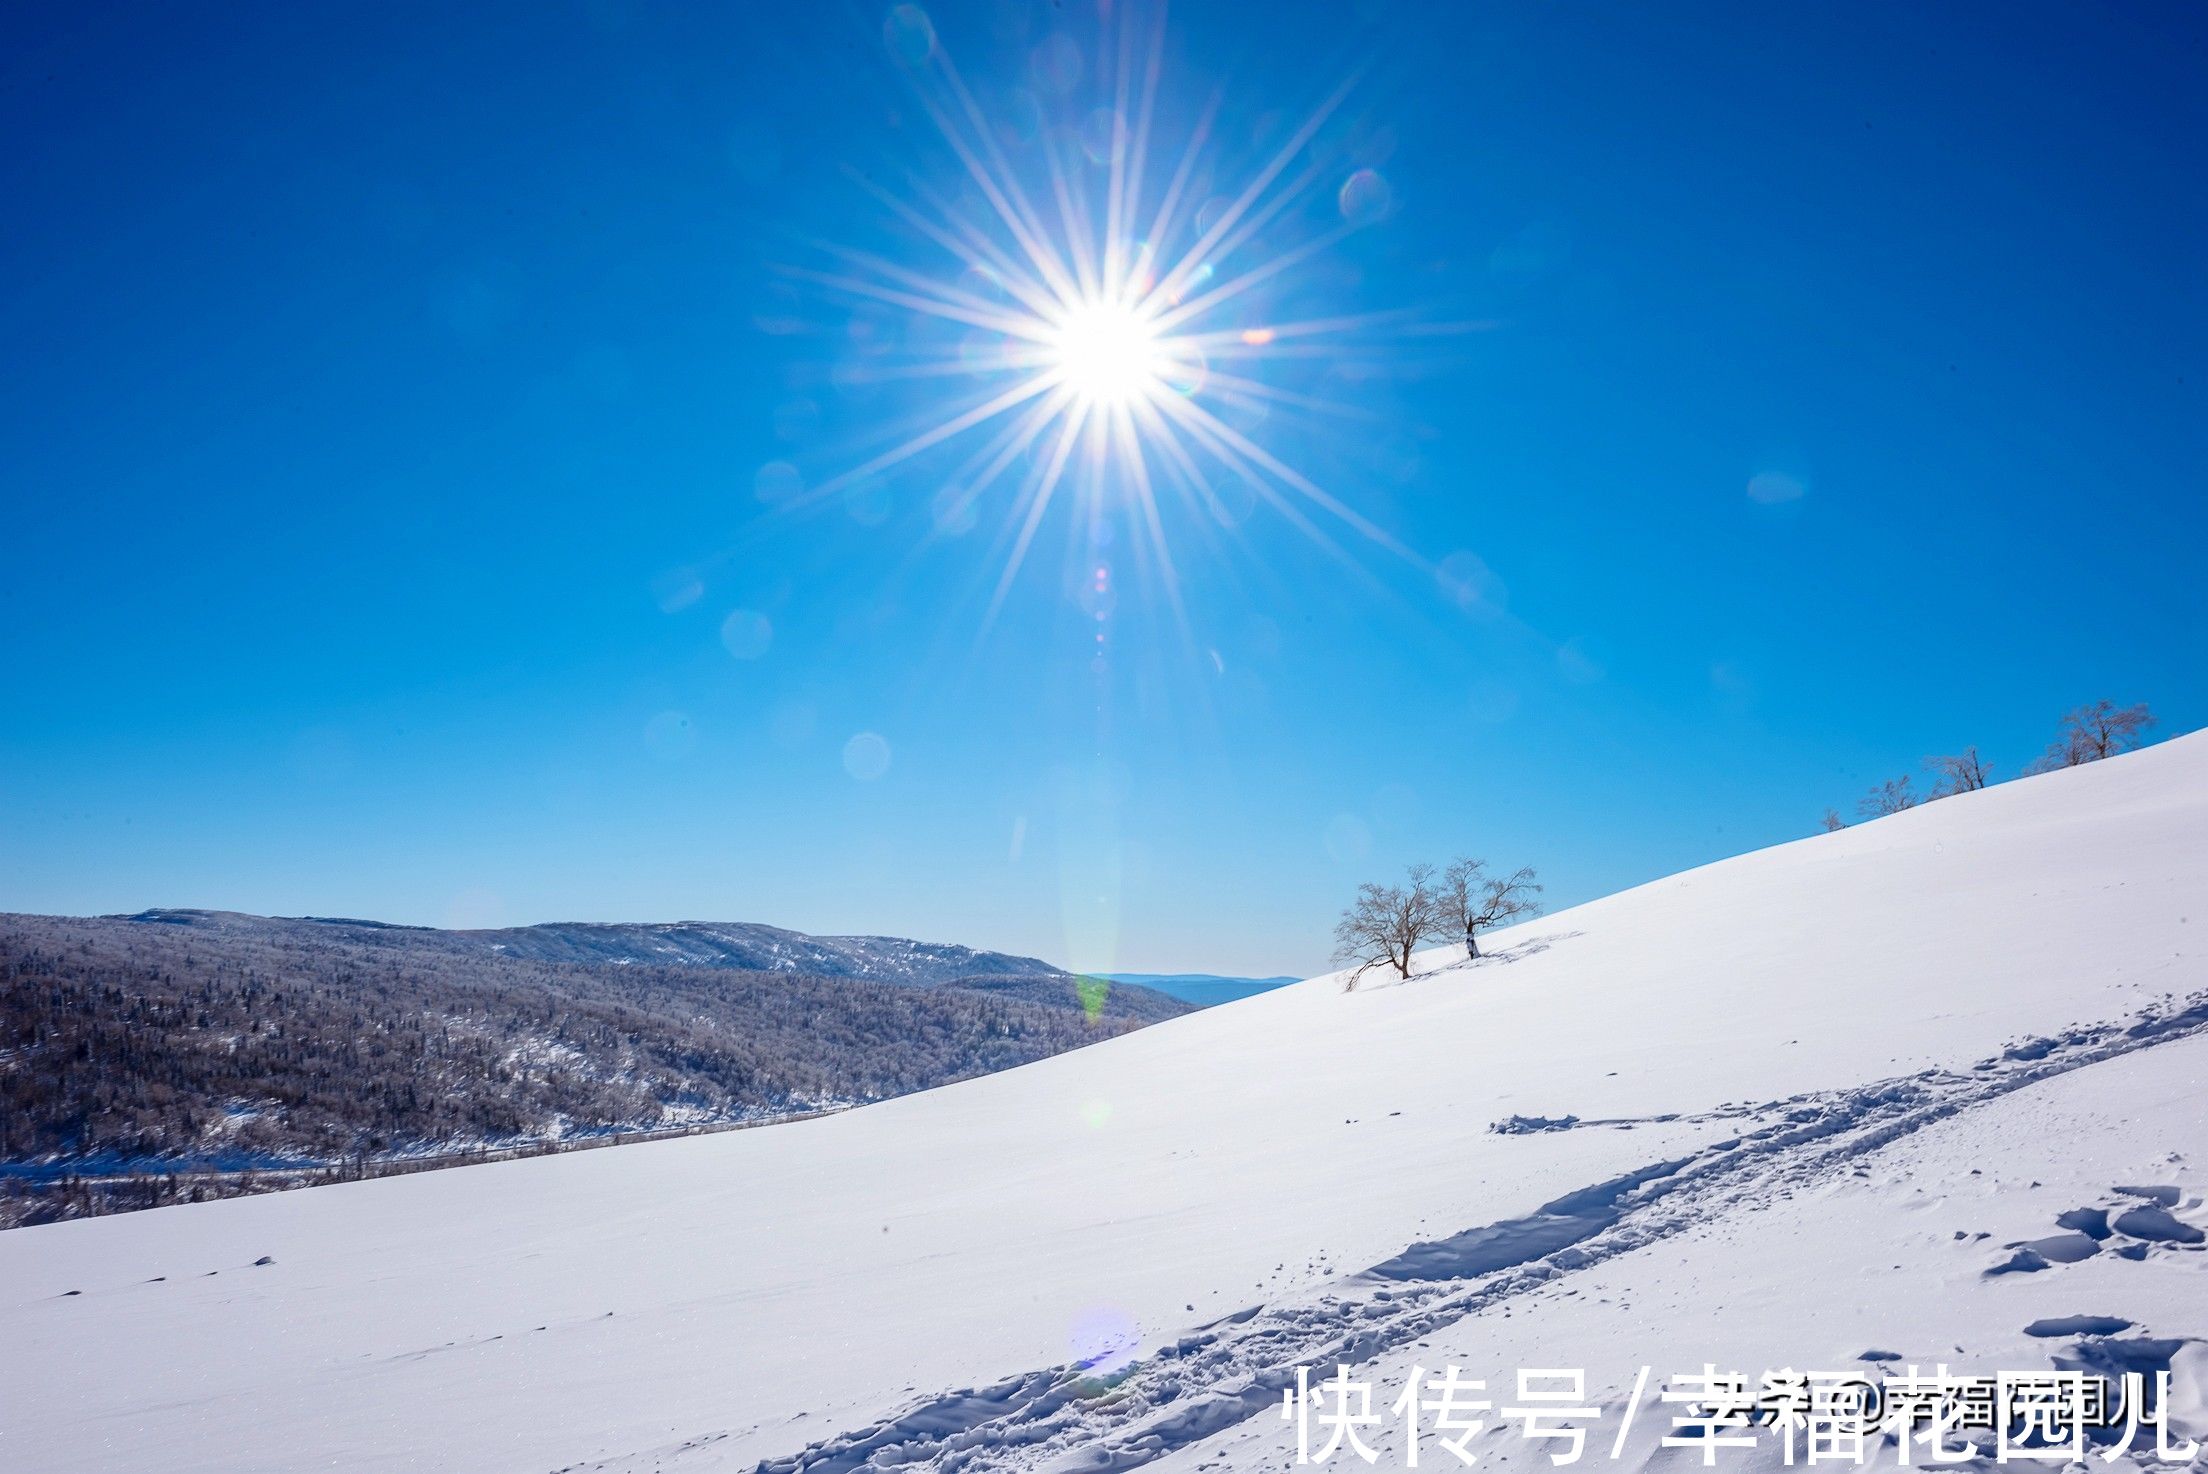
<point x="1201" y="988"/>
<point x="741" y="944"/>
<point x="179" y="1053"/>
<point x="188" y="1052"/>
<point x="746" y="945"/>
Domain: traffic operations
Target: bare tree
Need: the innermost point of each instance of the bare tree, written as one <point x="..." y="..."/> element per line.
<point x="1959" y="772"/>
<point x="1387" y="923"/>
<point x="2091" y="733"/>
<point x="1472" y="898"/>
<point x="1890" y="797"/>
<point x="1833" y="821"/>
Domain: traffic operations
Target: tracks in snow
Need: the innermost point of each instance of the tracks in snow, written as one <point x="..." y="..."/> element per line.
<point x="1066" y="1420"/>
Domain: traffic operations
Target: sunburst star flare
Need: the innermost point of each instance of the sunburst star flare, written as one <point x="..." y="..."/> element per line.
<point x="1102" y="334"/>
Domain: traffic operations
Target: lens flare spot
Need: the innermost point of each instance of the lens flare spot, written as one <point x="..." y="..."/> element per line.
<point x="1770" y="488"/>
<point x="866" y="756"/>
<point x="1093" y="993"/>
<point x="777" y="482"/>
<point x="1095" y="595"/>
<point x="909" y="35"/>
<point x="1104" y="136"/>
<point x="796" y="421"/>
<point x="1466" y="581"/>
<point x="952" y="510"/>
<point x="747" y="633"/>
<point x="1230" y="500"/>
<point x="1365" y="197"/>
<point x="1182" y="368"/>
<point x="868" y="502"/>
<point x="1105" y="1340"/>
<point x="676" y="590"/>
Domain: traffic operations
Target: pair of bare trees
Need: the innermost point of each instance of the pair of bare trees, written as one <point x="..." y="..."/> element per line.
<point x="1954" y="772"/>
<point x="2093" y="732"/>
<point x="2088" y="734"/>
<point x="1387" y="923"/>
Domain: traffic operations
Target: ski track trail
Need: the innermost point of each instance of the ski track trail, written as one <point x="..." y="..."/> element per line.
<point x="1071" y="1420"/>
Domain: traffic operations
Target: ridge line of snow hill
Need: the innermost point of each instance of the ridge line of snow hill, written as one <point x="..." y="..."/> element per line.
<point x="1071" y="1419"/>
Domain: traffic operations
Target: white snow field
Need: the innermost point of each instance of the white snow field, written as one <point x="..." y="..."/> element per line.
<point x="1797" y="1076"/>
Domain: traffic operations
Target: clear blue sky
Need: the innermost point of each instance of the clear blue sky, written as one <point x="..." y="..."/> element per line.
<point x="386" y="388"/>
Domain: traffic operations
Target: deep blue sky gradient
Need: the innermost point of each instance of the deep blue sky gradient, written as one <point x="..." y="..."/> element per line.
<point x="381" y="380"/>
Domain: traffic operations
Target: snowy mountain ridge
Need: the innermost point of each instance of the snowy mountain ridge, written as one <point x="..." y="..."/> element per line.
<point x="747" y="945"/>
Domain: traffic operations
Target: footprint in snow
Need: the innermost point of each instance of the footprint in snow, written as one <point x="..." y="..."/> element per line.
<point x="2143" y="1225"/>
<point x="2077" y="1325"/>
<point x="2156" y="1224"/>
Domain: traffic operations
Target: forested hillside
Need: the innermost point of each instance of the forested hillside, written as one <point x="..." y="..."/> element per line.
<point x="130" y="1044"/>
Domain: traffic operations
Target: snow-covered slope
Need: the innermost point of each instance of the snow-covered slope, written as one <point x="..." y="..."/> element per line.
<point x="1302" y="1172"/>
<point x="1870" y="1259"/>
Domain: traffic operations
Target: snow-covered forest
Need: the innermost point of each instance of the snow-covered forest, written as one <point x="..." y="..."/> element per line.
<point x="181" y="1056"/>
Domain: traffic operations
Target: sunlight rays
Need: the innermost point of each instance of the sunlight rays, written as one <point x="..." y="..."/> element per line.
<point x="1093" y="314"/>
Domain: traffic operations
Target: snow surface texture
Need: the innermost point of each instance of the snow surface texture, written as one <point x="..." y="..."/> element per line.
<point x="1785" y="1110"/>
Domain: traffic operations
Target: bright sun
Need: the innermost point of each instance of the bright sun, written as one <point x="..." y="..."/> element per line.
<point x="1113" y="344"/>
<point x="1108" y="354"/>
